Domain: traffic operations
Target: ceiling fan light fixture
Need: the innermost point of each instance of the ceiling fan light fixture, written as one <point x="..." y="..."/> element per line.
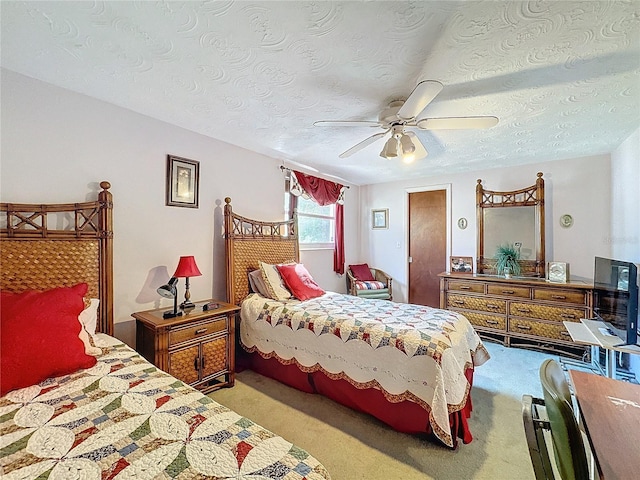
<point x="408" y="148"/>
<point x="390" y="149"/>
<point x="408" y="158"/>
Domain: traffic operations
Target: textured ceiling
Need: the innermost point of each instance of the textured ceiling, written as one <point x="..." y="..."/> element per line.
<point x="563" y="77"/>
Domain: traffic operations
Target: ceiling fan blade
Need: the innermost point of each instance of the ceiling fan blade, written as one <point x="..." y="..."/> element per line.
<point x="365" y="143"/>
<point x="421" y="96"/>
<point x="420" y="151"/>
<point x="345" y="123"/>
<point x="456" y="123"/>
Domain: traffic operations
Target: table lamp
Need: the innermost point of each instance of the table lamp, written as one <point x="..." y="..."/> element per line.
<point x="187" y="268"/>
<point x="170" y="291"/>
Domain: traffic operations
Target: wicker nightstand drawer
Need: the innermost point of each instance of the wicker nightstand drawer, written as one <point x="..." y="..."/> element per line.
<point x="191" y="332"/>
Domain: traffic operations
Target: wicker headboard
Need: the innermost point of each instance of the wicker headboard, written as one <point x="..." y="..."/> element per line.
<point x="78" y="248"/>
<point x="250" y="241"/>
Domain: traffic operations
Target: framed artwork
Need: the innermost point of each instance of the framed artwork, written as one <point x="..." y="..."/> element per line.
<point x="183" y="179"/>
<point x="380" y="218"/>
<point x="461" y="264"/>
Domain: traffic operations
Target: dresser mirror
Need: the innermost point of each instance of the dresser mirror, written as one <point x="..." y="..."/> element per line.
<point x="512" y="217"/>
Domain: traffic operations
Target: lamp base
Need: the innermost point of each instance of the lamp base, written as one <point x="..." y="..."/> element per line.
<point x="187" y="305"/>
<point x="171" y="314"/>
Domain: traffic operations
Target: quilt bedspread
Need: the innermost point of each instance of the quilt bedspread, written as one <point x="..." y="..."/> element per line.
<point x="124" y="418"/>
<point x="408" y="351"/>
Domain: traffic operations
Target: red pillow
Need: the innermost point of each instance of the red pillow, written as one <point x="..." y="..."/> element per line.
<point x="362" y="272"/>
<point x="40" y="336"/>
<point x="299" y="281"/>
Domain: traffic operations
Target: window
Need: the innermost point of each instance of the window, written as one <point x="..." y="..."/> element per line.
<point x="316" y="224"/>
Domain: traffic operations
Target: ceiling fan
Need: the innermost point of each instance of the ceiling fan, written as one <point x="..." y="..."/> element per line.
<point x="402" y="114"/>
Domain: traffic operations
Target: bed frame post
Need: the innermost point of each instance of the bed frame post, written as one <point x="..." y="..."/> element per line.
<point x="228" y="230"/>
<point x="105" y="199"/>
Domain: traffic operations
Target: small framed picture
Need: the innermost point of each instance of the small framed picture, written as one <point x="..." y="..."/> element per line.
<point x="183" y="178"/>
<point x="461" y="264"/>
<point x="380" y="218"/>
<point x="558" y="272"/>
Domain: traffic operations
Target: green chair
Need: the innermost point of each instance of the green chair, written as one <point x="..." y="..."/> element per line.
<point x="568" y="445"/>
<point x="380" y="287"/>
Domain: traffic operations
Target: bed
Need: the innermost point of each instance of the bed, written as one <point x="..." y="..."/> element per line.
<point x="410" y="366"/>
<point x="118" y="416"/>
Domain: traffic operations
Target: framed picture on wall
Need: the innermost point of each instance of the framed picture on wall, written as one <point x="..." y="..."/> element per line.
<point x="461" y="264"/>
<point x="380" y="218"/>
<point x="183" y="179"/>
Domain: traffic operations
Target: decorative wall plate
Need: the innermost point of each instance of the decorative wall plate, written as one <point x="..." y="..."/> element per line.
<point x="462" y="223"/>
<point x="566" y="220"/>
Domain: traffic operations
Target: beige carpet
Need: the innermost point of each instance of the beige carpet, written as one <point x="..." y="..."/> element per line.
<point x="356" y="446"/>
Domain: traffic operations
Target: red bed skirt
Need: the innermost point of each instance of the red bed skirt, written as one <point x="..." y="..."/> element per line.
<point x="405" y="416"/>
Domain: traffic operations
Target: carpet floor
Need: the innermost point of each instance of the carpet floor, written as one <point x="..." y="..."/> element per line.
<point x="354" y="446"/>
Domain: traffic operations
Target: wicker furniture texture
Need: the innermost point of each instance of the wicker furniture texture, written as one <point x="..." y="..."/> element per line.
<point x="44" y="246"/>
<point x="519" y="312"/>
<point x="197" y="347"/>
<point x="380" y="276"/>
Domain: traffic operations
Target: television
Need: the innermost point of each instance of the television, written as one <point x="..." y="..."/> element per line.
<point x="615" y="297"/>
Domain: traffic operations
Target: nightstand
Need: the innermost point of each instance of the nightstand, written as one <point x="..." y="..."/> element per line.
<point x="197" y="347"/>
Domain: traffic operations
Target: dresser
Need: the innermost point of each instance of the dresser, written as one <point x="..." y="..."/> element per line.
<point x="518" y="311"/>
<point x="197" y="347"/>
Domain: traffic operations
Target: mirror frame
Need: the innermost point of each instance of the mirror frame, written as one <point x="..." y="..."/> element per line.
<point x="529" y="196"/>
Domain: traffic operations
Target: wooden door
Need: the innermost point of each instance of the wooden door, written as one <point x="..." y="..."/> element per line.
<point x="427" y="245"/>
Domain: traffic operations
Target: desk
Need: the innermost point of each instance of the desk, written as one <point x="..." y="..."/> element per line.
<point x="587" y="332"/>
<point x="610" y="411"/>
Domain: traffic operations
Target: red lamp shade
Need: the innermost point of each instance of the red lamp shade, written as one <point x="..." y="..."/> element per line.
<point x="187" y="267"/>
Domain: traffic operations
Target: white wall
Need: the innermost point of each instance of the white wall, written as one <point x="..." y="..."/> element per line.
<point x="58" y="145"/>
<point x="580" y="187"/>
<point x="625" y="208"/>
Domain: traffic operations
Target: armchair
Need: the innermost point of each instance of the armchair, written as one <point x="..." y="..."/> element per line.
<point x="366" y="282"/>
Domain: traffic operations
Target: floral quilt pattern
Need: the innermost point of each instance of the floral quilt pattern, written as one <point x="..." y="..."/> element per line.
<point x="125" y="419"/>
<point x="410" y="352"/>
<point x="412" y="329"/>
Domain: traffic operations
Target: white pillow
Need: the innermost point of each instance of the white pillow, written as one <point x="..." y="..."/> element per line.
<point x="273" y="282"/>
<point x="88" y="318"/>
<point x="257" y="283"/>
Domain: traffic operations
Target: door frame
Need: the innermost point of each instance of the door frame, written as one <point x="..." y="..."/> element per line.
<point x="442" y="186"/>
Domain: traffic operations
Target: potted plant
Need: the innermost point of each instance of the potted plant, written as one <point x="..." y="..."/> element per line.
<point x="507" y="257"/>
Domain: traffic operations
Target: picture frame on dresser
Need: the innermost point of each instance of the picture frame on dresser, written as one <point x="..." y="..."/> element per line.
<point x="183" y="182"/>
<point x="459" y="264"/>
<point x="558" y="272"/>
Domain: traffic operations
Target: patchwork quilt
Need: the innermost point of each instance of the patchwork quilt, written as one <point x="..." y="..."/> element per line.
<point x="125" y="419"/>
<point x="409" y="351"/>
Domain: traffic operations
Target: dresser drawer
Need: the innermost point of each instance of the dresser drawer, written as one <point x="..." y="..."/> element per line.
<point x="555" y="331"/>
<point x="509" y="291"/>
<point x="556" y="295"/>
<point x="474" y="287"/>
<point x="470" y="302"/>
<point x="489" y="321"/>
<point x="194" y="331"/>
<point x="546" y="312"/>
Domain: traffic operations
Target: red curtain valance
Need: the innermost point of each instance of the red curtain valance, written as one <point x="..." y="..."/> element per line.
<point x="325" y="192"/>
